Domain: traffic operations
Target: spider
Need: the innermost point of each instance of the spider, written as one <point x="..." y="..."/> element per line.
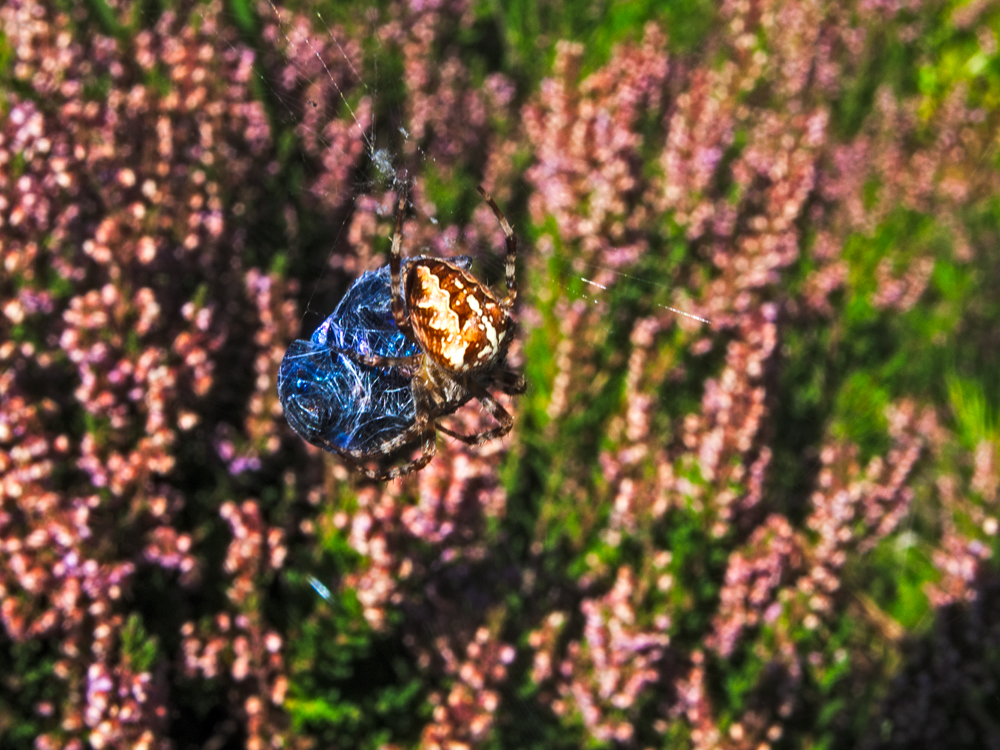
<point x="448" y="341"/>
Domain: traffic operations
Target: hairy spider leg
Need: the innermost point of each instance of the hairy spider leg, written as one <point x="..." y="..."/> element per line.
<point x="469" y="439"/>
<point x="507" y="381"/>
<point x="422" y="428"/>
<point x="395" y="275"/>
<point x="511" y="241"/>
<point x="347" y="456"/>
<point x="357" y="458"/>
<point x="510" y="382"/>
<point x="378" y="360"/>
<point x="479" y="438"/>
<point x="495" y="410"/>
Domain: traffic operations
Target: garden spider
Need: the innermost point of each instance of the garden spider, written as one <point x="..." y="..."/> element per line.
<point x="462" y="332"/>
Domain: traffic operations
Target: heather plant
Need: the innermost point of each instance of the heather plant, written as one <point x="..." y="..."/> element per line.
<point x="773" y="530"/>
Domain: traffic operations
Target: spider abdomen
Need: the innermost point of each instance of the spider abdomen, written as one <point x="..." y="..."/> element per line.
<point x="457" y="320"/>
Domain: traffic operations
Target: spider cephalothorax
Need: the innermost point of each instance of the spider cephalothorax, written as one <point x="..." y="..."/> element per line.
<point x="448" y="338"/>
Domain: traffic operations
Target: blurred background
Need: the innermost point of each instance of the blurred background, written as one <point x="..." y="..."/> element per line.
<point x="774" y="530"/>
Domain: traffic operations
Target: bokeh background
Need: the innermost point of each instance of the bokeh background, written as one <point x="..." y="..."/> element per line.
<point x="778" y="530"/>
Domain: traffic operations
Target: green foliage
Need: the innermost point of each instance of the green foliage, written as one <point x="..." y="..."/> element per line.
<point x="898" y="569"/>
<point x="975" y="419"/>
<point x="698" y="565"/>
<point x="243" y="16"/>
<point x="887" y="62"/>
<point x="351" y="686"/>
<point x="105" y="17"/>
<point x="532" y="29"/>
<point x="955" y="60"/>
<point x="860" y="410"/>
<point x="453" y="194"/>
<point x="26" y="681"/>
<point x="139" y="649"/>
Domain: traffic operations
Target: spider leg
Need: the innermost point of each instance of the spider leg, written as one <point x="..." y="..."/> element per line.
<point x="423" y="429"/>
<point x="395" y="275"/>
<point x="510" y="382"/>
<point x="495" y="410"/>
<point x="511" y="240"/>
<point x="354" y="459"/>
<point x="468" y="439"/>
<point x="428" y="449"/>
<point x="377" y="360"/>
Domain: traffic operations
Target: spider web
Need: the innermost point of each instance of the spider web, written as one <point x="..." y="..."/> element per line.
<point x="391" y="161"/>
<point x="365" y="95"/>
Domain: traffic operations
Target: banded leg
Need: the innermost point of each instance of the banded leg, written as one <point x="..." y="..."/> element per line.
<point x="377" y="360"/>
<point x="395" y="266"/>
<point x="422" y="429"/>
<point x="467" y="439"/>
<point x="356" y="458"/>
<point x="511" y="241"/>
<point x="428" y="449"/>
<point x="508" y="382"/>
<point x="495" y="410"/>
